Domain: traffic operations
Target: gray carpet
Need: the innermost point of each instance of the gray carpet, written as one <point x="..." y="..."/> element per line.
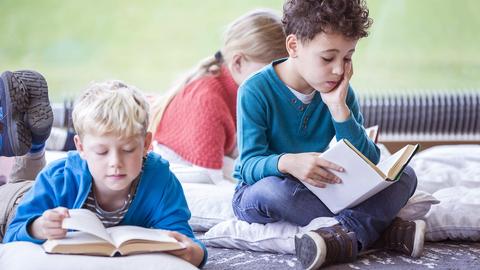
<point x="440" y="255"/>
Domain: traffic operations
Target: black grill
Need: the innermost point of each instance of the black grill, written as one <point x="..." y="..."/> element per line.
<point x="443" y="115"/>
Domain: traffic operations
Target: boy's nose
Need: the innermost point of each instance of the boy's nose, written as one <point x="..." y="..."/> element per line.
<point x="338" y="69"/>
<point x="115" y="160"/>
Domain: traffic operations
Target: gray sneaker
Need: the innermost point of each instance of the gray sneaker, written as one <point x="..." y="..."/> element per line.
<point x="404" y="236"/>
<point x="325" y="246"/>
<point x="39" y="115"/>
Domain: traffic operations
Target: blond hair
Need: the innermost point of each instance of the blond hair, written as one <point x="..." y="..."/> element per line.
<point x="111" y="107"/>
<point x="257" y="35"/>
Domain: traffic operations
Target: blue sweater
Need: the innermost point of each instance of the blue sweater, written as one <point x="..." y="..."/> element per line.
<point x="272" y="121"/>
<point x="158" y="203"/>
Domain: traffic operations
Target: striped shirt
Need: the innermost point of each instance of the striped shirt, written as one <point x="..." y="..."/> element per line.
<point x="111" y="218"/>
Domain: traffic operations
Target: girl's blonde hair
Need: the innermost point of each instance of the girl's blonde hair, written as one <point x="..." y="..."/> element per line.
<point x="257" y="35"/>
<point x="111" y="107"/>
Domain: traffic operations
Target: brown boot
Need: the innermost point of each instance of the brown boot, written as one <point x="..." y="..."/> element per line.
<point x="325" y="246"/>
<point x="404" y="236"/>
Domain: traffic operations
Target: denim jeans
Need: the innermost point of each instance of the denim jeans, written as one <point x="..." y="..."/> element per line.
<point x="275" y="199"/>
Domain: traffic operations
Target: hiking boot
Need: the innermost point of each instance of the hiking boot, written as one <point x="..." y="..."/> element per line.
<point x="325" y="246"/>
<point x="39" y="115"/>
<point x="404" y="236"/>
<point x="15" y="137"/>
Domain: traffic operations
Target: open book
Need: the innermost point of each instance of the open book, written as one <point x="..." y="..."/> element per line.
<point x="372" y="133"/>
<point x="92" y="238"/>
<point x="361" y="178"/>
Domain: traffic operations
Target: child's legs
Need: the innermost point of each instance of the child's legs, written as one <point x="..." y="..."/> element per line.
<point x="27" y="167"/>
<point x="11" y="195"/>
<point x="277" y="199"/>
<point x="370" y="218"/>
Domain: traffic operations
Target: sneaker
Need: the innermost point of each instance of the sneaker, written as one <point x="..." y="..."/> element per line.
<point x="404" y="236"/>
<point x="15" y="136"/>
<point x="325" y="246"/>
<point x="39" y="115"/>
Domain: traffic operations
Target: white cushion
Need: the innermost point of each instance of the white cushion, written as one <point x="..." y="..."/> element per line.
<point x="457" y="217"/>
<point x="54" y="155"/>
<point x="26" y="256"/>
<point x="209" y="204"/>
<point x="212" y="204"/>
<point x="418" y="205"/>
<point x="275" y="237"/>
<point x="447" y="166"/>
<point x="279" y="237"/>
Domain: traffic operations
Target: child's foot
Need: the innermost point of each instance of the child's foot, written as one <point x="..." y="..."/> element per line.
<point x="404" y="236"/>
<point x="39" y="115"/>
<point x="15" y="138"/>
<point x="325" y="246"/>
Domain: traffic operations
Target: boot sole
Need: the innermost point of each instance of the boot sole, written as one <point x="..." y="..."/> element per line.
<point x="14" y="105"/>
<point x="310" y="249"/>
<point x="419" y="238"/>
<point x="39" y="112"/>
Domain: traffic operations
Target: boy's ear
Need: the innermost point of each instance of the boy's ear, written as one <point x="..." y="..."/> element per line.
<point x="148" y="142"/>
<point x="79" y="146"/>
<point x="291" y="42"/>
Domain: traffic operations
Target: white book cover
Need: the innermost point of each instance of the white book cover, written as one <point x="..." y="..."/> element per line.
<point x="361" y="179"/>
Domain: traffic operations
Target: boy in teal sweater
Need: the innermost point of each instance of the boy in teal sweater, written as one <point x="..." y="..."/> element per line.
<point x="287" y="115"/>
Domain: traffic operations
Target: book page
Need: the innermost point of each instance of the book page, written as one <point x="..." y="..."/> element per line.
<point x="394" y="164"/>
<point x="86" y="221"/>
<point x="389" y="162"/>
<point x="77" y="238"/>
<point x="122" y="234"/>
<point x="367" y="161"/>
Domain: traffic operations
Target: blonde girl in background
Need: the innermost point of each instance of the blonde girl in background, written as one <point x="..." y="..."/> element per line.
<point x="195" y="122"/>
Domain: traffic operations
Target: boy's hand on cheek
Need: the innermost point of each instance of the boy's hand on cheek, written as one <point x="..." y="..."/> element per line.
<point x="336" y="98"/>
<point x="192" y="252"/>
<point x="49" y="224"/>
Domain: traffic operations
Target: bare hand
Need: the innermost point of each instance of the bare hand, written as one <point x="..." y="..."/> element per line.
<point x="192" y="252"/>
<point x="338" y="95"/>
<point x="310" y="167"/>
<point x="49" y="224"/>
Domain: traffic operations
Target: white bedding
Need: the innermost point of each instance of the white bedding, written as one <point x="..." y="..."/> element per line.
<point x="450" y="173"/>
<point x="27" y="256"/>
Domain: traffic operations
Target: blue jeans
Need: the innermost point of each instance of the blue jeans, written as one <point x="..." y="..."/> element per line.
<point x="275" y="199"/>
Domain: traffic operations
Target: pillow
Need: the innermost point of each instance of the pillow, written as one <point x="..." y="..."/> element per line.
<point x="209" y="204"/>
<point x="418" y="205"/>
<point x="447" y="166"/>
<point x="275" y="237"/>
<point x="457" y="217"/>
<point x="212" y="204"/>
<point x="26" y="256"/>
<point x="190" y="174"/>
<point x="279" y="237"/>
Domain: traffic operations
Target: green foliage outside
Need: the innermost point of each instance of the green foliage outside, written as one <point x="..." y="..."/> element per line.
<point x="413" y="45"/>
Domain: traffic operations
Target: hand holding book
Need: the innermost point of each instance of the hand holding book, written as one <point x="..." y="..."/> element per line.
<point x="361" y="179"/>
<point x="310" y="167"/>
<point x="92" y="238"/>
<point x="49" y="224"/>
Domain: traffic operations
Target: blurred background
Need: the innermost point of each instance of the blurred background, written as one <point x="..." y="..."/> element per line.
<point x="426" y="45"/>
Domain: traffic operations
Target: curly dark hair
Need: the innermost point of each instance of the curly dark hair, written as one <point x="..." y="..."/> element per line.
<point x="307" y="18"/>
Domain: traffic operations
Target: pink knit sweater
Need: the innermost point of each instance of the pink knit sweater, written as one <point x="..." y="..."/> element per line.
<point x="199" y="124"/>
